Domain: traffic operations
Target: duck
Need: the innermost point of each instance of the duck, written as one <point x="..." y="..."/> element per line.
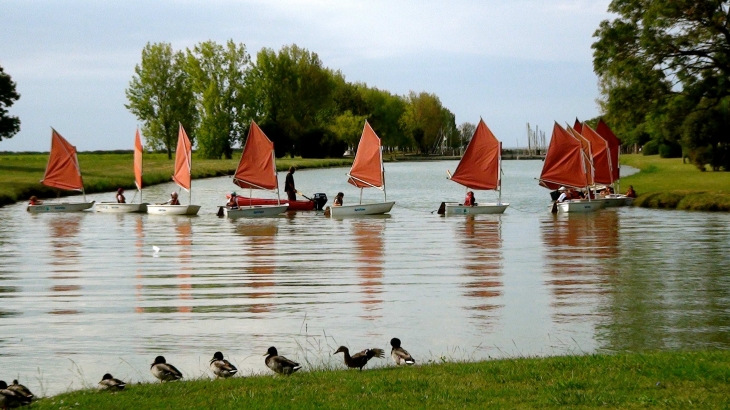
<point x="221" y="367"/>
<point x="19" y="388"/>
<point x="400" y="355"/>
<point x="359" y="360"/>
<point x="10" y="398"/>
<point x="163" y="371"/>
<point x="280" y="364"/>
<point x="110" y="383"/>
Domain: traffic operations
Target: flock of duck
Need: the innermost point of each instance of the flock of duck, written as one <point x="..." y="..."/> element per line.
<point x="17" y="395"/>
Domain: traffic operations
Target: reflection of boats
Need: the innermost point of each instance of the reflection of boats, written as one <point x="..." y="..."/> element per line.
<point x="114" y="207"/>
<point x="257" y="170"/>
<point x="479" y="168"/>
<point x="370" y="252"/>
<point x="292" y="205"/>
<point x="183" y="168"/>
<point x="62" y="172"/>
<point x="367" y="172"/>
<point x="568" y="163"/>
<point x="483" y="264"/>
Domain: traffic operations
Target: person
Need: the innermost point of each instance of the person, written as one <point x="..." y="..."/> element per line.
<point x="563" y="196"/>
<point x="631" y="193"/>
<point x="120" y="196"/>
<point x="173" y="199"/>
<point x="35" y="201"/>
<point x="470" y="200"/>
<point x="233" y="201"/>
<point x="291" y="191"/>
<point x="339" y="199"/>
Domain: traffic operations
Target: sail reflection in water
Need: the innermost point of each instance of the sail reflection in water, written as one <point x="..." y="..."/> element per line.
<point x="65" y="255"/>
<point x="370" y="255"/>
<point x="482" y="269"/>
<point x="184" y="231"/>
<point x="260" y="253"/>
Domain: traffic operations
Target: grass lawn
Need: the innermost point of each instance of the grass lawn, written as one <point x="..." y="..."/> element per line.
<point x="625" y="381"/>
<point x="103" y="172"/>
<point x="668" y="183"/>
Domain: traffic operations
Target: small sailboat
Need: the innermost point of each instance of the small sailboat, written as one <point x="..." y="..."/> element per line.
<point x="257" y="170"/>
<point x="62" y="172"/>
<point x="183" y="167"/>
<point x="367" y="172"/>
<point x="567" y="164"/>
<point x="614" y="146"/>
<point x="480" y="168"/>
<point x="114" y="207"/>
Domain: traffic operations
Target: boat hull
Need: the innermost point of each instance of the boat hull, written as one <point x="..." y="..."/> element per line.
<point x="362" y="209"/>
<point x="293" y="205"/>
<point x="615" y="200"/>
<point x="455" y="208"/>
<point x="116" y="208"/>
<point x="173" y="209"/>
<point x="263" y="211"/>
<point x="60" y="207"/>
<point x="579" y="206"/>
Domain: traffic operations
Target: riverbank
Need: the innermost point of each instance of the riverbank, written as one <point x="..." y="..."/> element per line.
<point x="662" y="379"/>
<point x="671" y="184"/>
<point x="104" y="172"/>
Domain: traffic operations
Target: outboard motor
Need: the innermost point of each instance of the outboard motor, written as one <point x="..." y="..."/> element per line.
<point x="319" y="200"/>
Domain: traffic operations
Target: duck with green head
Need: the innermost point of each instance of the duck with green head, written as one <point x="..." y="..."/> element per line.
<point x="10" y="398"/>
<point x="222" y="367"/>
<point x="280" y="364"/>
<point x="400" y="355"/>
<point x="110" y="383"/>
<point x="164" y="371"/>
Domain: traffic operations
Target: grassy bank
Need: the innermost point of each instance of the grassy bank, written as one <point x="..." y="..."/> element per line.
<point x="103" y="172"/>
<point x="668" y="183"/>
<point x="668" y="379"/>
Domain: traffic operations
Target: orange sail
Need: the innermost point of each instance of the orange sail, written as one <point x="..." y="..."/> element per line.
<point x="183" y="160"/>
<point x="587" y="153"/>
<point x="479" y="167"/>
<point x="367" y="169"/>
<point x="614" y="145"/>
<point x="578" y="126"/>
<point x="138" y="161"/>
<point x="257" y="168"/>
<point x="564" y="164"/>
<point x="601" y="159"/>
<point x="63" y="170"/>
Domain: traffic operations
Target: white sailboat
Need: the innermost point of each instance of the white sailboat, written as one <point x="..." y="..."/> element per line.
<point x="115" y="207"/>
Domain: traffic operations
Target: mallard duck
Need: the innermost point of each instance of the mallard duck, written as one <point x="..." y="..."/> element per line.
<point x="110" y="383"/>
<point x="359" y="360"/>
<point x="10" y="398"/>
<point x="400" y="355"/>
<point x="163" y="371"/>
<point x="280" y="364"/>
<point x="221" y="367"/>
<point x="19" y="388"/>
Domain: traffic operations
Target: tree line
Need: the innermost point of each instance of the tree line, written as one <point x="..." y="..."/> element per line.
<point x="216" y="90"/>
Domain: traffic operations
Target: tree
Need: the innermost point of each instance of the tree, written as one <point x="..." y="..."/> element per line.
<point x="217" y="75"/>
<point x="425" y="119"/>
<point x="348" y="127"/>
<point x="466" y="131"/>
<point x="664" y="74"/>
<point x="9" y="125"/>
<point x="160" y="95"/>
<point x="384" y="112"/>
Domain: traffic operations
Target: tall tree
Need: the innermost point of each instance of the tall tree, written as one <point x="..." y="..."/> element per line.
<point x="217" y="75"/>
<point x="9" y="125"/>
<point x="425" y="119"/>
<point x="384" y="113"/>
<point x="160" y="95"/>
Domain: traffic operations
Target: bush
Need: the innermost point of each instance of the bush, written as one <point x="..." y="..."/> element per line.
<point x="650" y="148"/>
<point x="670" y="151"/>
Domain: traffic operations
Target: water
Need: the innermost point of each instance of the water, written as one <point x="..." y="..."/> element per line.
<point x="84" y="294"/>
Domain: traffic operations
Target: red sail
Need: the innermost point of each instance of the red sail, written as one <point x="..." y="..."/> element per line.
<point x="183" y="160"/>
<point x="602" y="164"/>
<point x="63" y="170"/>
<point x="587" y="156"/>
<point x="138" y="161"/>
<point x="563" y="162"/>
<point x="257" y="168"/>
<point x="614" y="145"/>
<point x="578" y="126"/>
<point x="367" y="169"/>
<point x="479" y="167"/>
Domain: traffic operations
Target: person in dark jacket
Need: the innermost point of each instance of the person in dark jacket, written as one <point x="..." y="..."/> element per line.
<point x="289" y="188"/>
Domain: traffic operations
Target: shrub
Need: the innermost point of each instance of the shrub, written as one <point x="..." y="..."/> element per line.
<point x="650" y="148"/>
<point x="670" y="151"/>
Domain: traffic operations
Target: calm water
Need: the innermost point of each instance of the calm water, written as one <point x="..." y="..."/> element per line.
<point x="84" y="294"/>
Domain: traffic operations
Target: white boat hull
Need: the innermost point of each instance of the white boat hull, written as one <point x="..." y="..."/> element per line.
<point x="117" y="208"/>
<point x="260" y="211"/>
<point x="173" y="209"/>
<point x="60" y="207"/>
<point x="582" y="206"/>
<point x="455" y="208"/>
<point x="362" y="209"/>
<point x="615" y="200"/>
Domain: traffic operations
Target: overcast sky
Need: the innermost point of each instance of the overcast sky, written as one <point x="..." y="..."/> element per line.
<point x="508" y="61"/>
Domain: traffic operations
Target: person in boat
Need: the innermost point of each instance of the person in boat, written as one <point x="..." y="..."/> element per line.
<point x="470" y="200"/>
<point x="35" y="201"/>
<point x="173" y="200"/>
<point x="233" y="201"/>
<point x="564" y="196"/>
<point x="339" y="199"/>
<point x="289" y="188"/>
<point x="120" y="196"/>
<point x="631" y="193"/>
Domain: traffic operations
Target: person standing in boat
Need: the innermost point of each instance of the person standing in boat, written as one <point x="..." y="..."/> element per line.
<point x="289" y="188"/>
<point x="470" y="200"/>
<point x="120" y="196"/>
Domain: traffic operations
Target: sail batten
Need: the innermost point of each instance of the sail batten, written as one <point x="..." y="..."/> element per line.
<point x="257" y="167"/>
<point x="564" y="162"/>
<point x="183" y="160"/>
<point x="62" y="170"/>
<point x="479" y="166"/>
<point x="367" y="168"/>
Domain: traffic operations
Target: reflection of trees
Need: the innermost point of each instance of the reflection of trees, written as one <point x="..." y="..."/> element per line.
<point x="482" y="241"/>
<point x="63" y="232"/>
<point x="369" y="253"/>
<point x="139" y="246"/>
<point x="260" y="248"/>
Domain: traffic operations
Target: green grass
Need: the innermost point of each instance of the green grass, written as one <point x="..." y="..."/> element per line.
<point x="668" y="183"/>
<point x="103" y="172"/>
<point x="626" y="381"/>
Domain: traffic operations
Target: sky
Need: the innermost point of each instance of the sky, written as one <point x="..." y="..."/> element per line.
<point x="509" y="62"/>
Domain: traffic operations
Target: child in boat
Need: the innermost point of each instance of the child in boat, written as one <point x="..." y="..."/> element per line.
<point x="631" y="193"/>
<point x="35" y="201"/>
<point x="233" y="201"/>
<point x="173" y="200"/>
<point x="470" y="200"/>
<point x="120" y="196"/>
<point x="339" y="199"/>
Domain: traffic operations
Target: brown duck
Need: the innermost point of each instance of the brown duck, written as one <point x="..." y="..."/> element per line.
<point x="359" y="360"/>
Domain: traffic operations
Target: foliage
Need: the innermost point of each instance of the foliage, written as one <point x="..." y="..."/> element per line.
<point x="670" y="150"/>
<point x="348" y="127"/>
<point x="161" y="97"/>
<point x="385" y="111"/>
<point x="9" y="125"/>
<point x="466" y="132"/>
<point x="650" y="148"/>
<point x="426" y="120"/>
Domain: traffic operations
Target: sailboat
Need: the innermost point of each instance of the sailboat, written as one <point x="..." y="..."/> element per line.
<point x="567" y="164"/>
<point x="183" y="167"/>
<point x="367" y="172"/>
<point x="480" y="168"/>
<point x="614" y="145"/>
<point x="257" y="170"/>
<point x="114" y="207"/>
<point x="605" y="153"/>
<point x="62" y="172"/>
